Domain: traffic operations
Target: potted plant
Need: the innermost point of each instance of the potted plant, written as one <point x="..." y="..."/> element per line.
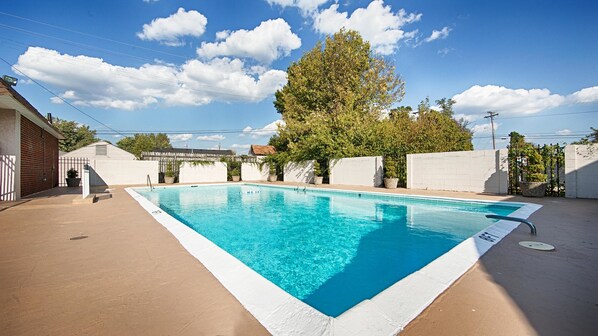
<point x="272" y="170"/>
<point x="390" y="173"/>
<point x="72" y="179"/>
<point x="235" y="174"/>
<point x="318" y="172"/>
<point x="535" y="175"/>
<point x="169" y="174"/>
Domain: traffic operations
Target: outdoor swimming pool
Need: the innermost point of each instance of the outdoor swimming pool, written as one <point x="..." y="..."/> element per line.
<point x="329" y="249"/>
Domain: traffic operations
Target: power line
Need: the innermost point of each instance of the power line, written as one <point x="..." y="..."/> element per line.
<point x="57" y="96"/>
<point x="92" y="35"/>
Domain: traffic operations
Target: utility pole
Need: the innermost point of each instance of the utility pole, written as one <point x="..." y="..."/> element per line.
<point x="491" y="115"/>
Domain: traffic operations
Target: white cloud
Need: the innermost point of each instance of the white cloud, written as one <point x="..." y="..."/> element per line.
<point x="269" y="41"/>
<point x="180" y="137"/>
<point x="466" y="117"/>
<point x="151" y="0"/>
<point x="268" y="130"/>
<point x="216" y="137"/>
<point x="221" y="35"/>
<point x="376" y="23"/>
<point x="587" y="95"/>
<point x="90" y="81"/>
<point x="307" y="7"/>
<point x="479" y="99"/>
<point x="438" y="34"/>
<point x="170" y="30"/>
<point x="445" y="51"/>
<point x="484" y="128"/>
<point x="564" y="132"/>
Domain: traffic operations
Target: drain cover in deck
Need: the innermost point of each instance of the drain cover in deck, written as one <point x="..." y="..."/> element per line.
<point x="537" y="246"/>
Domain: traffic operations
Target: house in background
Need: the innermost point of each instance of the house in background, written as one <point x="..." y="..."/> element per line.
<point x="28" y="147"/>
<point x="100" y="150"/>
<point x="259" y="150"/>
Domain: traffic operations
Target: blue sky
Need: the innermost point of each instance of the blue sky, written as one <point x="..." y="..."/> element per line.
<point x="205" y="71"/>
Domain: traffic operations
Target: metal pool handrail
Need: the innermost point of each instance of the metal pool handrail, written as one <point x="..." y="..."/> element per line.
<point x="149" y="182"/>
<point x="515" y="219"/>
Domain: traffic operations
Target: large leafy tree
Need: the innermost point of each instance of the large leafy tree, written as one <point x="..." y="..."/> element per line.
<point x="139" y="143"/>
<point x="335" y="93"/>
<point x="76" y="135"/>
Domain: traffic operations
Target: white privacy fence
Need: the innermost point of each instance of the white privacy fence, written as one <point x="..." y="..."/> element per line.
<point x="8" y="178"/>
<point x="474" y="171"/>
<point x="359" y="171"/>
<point x="302" y="172"/>
<point x="121" y="172"/>
<point x="581" y="171"/>
<point x="196" y="173"/>
<point x="253" y="172"/>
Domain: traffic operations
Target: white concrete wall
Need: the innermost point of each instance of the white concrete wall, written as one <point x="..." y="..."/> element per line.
<point x="474" y="171"/>
<point x="359" y="171"/>
<point x="189" y="173"/>
<point x="302" y="172"/>
<point x="581" y="171"/>
<point x="112" y="152"/>
<point x="252" y="172"/>
<point x="122" y="172"/>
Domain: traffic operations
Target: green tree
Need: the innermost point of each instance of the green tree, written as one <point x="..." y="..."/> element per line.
<point x="76" y="135"/>
<point x="139" y="143"/>
<point x="592" y="138"/>
<point x="333" y="96"/>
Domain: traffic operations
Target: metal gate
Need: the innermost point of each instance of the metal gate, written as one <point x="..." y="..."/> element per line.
<point x="553" y="157"/>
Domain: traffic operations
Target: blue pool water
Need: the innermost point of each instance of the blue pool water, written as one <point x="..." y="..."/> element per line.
<point x="329" y="249"/>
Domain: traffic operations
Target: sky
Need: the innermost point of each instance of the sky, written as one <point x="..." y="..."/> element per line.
<point x="205" y="71"/>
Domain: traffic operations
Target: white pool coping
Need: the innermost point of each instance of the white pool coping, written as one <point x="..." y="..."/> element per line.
<point x="387" y="313"/>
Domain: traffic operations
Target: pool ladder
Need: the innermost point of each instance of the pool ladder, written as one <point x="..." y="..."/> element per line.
<point x="298" y="187"/>
<point x="515" y="219"/>
<point x="149" y="183"/>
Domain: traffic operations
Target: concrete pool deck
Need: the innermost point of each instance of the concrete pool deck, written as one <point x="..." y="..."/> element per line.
<point x="132" y="277"/>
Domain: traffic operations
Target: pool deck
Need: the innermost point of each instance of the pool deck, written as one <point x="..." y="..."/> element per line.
<point x="132" y="277"/>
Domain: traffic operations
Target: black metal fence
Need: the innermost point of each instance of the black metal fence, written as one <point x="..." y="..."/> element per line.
<point x="553" y="157"/>
<point x="66" y="163"/>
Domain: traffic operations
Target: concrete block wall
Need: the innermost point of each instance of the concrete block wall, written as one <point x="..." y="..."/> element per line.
<point x="358" y="171"/>
<point x="581" y="171"/>
<point x="189" y="173"/>
<point x="473" y="171"/>
<point x="252" y="172"/>
<point x="122" y="172"/>
<point x="301" y="172"/>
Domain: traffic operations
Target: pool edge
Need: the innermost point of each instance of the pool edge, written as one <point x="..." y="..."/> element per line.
<point x="387" y="313"/>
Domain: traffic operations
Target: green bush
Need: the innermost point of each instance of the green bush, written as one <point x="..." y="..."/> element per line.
<point x="535" y="170"/>
<point x="390" y="167"/>
<point x="235" y="172"/>
<point x="169" y="169"/>
<point x="72" y="173"/>
<point x="317" y="168"/>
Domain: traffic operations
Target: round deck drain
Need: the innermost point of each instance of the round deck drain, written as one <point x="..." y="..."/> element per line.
<point x="537" y="246"/>
<point x="78" y="237"/>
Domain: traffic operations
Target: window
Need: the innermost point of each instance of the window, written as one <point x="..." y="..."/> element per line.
<point x="101" y="149"/>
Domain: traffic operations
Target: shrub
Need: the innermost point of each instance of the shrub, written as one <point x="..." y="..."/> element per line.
<point x="535" y="170"/>
<point x="317" y="168"/>
<point x="390" y="167"/>
<point x="235" y="172"/>
<point x="169" y="169"/>
<point x="72" y="173"/>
